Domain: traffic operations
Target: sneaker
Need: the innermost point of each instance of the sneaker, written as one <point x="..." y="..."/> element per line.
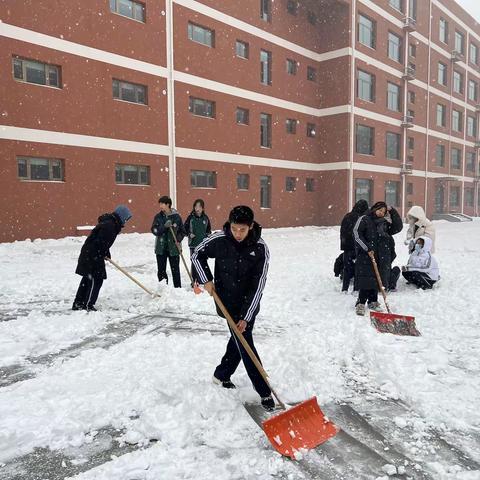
<point x="360" y="309"/>
<point x="268" y="403"/>
<point x="224" y="384"/>
<point x="375" y="306"/>
<point x="91" y="309"/>
<point x="78" y="306"/>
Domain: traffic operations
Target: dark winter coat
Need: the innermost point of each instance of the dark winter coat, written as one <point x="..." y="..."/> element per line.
<point x="199" y="226"/>
<point x="97" y="246"/>
<point x="375" y="234"/>
<point x="164" y="243"/>
<point x="347" y="242"/>
<point x="240" y="270"/>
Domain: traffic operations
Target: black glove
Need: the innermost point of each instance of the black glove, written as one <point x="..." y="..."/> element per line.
<point x="168" y="224"/>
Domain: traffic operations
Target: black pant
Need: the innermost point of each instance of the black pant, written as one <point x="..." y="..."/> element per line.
<point x="394" y="276"/>
<point x="234" y="353"/>
<point x="420" y="279"/>
<point x="367" y="295"/>
<point x="193" y="271"/>
<point x="348" y="268"/>
<point x="174" y="267"/>
<point x="88" y="291"/>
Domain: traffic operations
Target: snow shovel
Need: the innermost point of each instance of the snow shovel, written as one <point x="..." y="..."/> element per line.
<point x="118" y="267"/>
<point x="391" y="322"/>
<point x="303" y="426"/>
<point x="196" y="288"/>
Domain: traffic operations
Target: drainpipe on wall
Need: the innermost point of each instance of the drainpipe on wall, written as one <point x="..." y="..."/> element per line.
<point x="427" y="140"/>
<point x="352" y="103"/>
<point x="405" y="112"/>
<point x="172" y="167"/>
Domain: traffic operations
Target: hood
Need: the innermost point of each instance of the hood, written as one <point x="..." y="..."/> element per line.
<point x="252" y="237"/>
<point x="361" y="207"/>
<point x="427" y="245"/>
<point x="112" y="217"/>
<point x="124" y="213"/>
<point x="419" y="213"/>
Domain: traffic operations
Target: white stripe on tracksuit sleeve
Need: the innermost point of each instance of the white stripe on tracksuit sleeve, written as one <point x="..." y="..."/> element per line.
<point x="357" y="236"/>
<point x="196" y="262"/>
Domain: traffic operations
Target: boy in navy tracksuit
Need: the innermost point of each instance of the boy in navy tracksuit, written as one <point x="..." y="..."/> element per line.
<point x="241" y="265"/>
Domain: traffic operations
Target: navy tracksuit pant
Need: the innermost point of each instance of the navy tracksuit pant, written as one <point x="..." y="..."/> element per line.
<point x="88" y="291"/>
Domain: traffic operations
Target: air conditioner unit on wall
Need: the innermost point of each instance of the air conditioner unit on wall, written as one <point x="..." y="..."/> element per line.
<point x="409" y="24"/>
<point x="456" y="56"/>
<point x="407" y="169"/>
<point x="409" y="73"/>
<point x="407" y="121"/>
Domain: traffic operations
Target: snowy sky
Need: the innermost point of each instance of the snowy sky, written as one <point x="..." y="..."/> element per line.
<point x="472" y="7"/>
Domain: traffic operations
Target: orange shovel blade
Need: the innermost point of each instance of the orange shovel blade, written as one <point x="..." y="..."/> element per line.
<point x="302" y="426"/>
<point x="396" y="324"/>
<point x="197" y="290"/>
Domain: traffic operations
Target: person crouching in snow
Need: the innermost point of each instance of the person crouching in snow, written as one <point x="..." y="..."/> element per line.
<point x="91" y="262"/>
<point x="422" y="268"/>
<point x="419" y="226"/>
<point x="373" y="238"/>
<point x="241" y="265"/>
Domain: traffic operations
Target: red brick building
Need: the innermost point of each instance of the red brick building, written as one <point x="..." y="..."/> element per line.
<point x="297" y="108"/>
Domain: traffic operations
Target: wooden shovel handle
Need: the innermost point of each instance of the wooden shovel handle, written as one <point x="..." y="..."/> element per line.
<point x="118" y="267"/>
<point x="379" y="281"/>
<point x="180" y="252"/>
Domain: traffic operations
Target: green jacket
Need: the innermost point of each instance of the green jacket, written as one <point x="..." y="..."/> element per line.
<point x="164" y="243"/>
<point x="199" y="226"/>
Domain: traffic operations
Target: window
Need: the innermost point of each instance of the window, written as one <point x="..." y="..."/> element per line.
<point x="443" y="30"/>
<point x="31" y="71"/>
<point x="366" y="86"/>
<point x="457" y="82"/>
<point x="397" y="4"/>
<point x="310" y="184"/>
<point x="243" y="181"/>
<point x="266" y="10"/>
<point x="442" y="73"/>
<point x="363" y="189"/>
<point x="311" y="130"/>
<point x="470" y="161"/>
<point x="241" y="49"/>
<point x="456" y="159"/>
<point x="129" y="92"/>
<point x="266" y="130"/>
<point x="265" y="191"/>
<point x="469" y="197"/>
<point x="43" y="169"/>
<point x="132" y="174"/>
<point x="392" y="190"/>
<point x="394" y="47"/>
<point x="440" y="155"/>
<point x="441" y="115"/>
<point x="411" y="96"/>
<point x="265" y="67"/>
<point x="291" y="67"/>
<point x="393" y="146"/>
<point x="454" y="197"/>
<point x="409" y="188"/>
<point x="412" y="50"/>
<point x="290" y="184"/>
<point x="471" y="126"/>
<point x="412" y="9"/>
<point x="411" y="143"/>
<point x="312" y="18"/>
<point x="202" y="108"/>
<point x="393" y="97"/>
<point x="291" y="125"/>
<point x="367" y="31"/>
<point x="472" y="90"/>
<point x="292" y="7"/>
<point x="459" y="42"/>
<point x="365" y="140"/>
<point x="203" y="179"/>
<point x="311" y="74"/>
<point x="473" y="54"/>
<point x="242" y="116"/>
<point x="457" y="121"/>
<point x="200" y="34"/>
<point x="128" y="8"/>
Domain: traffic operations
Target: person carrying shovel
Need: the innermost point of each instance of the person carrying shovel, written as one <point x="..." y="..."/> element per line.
<point x="241" y="266"/>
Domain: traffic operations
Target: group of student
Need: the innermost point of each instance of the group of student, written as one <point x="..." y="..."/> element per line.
<point x="366" y="236"/>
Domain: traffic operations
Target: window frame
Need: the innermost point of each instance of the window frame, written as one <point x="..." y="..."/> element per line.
<point x="397" y="48"/>
<point x="191" y="26"/>
<point x="194" y="177"/>
<point x="265" y="130"/>
<point x="116" y="10"/>
<point x="136" y="87"/>
<point x="290" y="184"/>
<point x="191" y="107"/>
<point x="240" y="185"/>
<point x="122" y="167"/>
<point x="372" y="29"/>
<point x="246" y="115"/>
<point x="371" y="149"/>
<point x="362" y="84"/>
<point x="246" y="46"/>
<point x="47" y="71"/>
<point x="388" y="149"/>
<point x="28" y="165"/>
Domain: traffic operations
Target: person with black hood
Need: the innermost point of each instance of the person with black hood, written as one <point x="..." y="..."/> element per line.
<point x="165" y="246"/>
<point x="241" y="266"/>
<point x="197" y="227"/>
<point x="91" y="262"/>
<point x="347" y="242"/>
<point x="373" y="239"/>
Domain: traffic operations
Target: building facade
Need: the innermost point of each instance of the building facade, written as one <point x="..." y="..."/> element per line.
<point x="297" y="108"/>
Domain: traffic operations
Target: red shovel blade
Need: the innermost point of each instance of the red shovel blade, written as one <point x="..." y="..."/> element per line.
<point x="393" y="323"/>
<point x="302" y="426"/>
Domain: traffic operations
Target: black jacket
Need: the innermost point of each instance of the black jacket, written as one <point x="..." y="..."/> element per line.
<point x="375" y="234"/>
<point x="97" y="246"/>
<point x="347" y="242"/>
<point x="164" y="243"/>
<point x="240" y="270"/>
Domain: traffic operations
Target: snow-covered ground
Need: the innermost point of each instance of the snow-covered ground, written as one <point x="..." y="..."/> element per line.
<point x="155" y="382"/>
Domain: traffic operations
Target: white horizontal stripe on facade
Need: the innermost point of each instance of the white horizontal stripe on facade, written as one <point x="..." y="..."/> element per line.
<point x="377" y="9"/>
<point x="30" y="36"/>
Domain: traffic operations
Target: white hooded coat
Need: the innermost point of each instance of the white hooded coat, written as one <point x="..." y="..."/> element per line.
<point x="425" y="228"/>
<point x="423" y="261"/>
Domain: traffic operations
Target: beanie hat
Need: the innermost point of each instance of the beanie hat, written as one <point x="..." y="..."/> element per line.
<point x="123" y="213"/>
<point x="242" y="215"/>
<point x="378" y="206"/>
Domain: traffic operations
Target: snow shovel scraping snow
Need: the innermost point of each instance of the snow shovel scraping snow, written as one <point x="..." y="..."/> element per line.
<point x="303" y="426"/>
<point x="391" y="322"/>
